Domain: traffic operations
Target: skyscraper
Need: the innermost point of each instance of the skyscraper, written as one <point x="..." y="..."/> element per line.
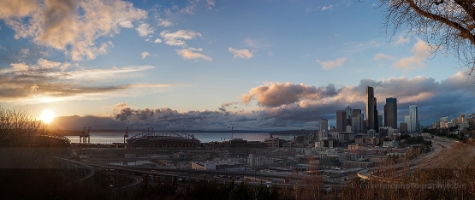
<point x="357" y="124"/>
<point x="413" y="118"/>
<point x="323" y="129"/>
<point x="380" y="122"/>
<point x="370" y="111"/>
<point x="407" y="120"/>
<point x="341" y="121"/>
<point x="390" y="112"/>
<point x="349" y="114"/>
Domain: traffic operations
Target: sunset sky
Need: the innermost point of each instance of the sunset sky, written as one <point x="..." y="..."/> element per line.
<point x="212" y="64"/>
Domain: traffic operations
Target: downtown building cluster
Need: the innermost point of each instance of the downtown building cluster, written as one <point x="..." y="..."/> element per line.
<point x="461" y="122"/>
<point x="371" y="123"/>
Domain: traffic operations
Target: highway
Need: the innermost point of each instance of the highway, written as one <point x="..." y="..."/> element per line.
<point x="439" y="144"/>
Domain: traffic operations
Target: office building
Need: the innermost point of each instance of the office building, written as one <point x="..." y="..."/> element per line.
<point x="323" y="129"/>
<point x="407" y="120"/>
<point x="380" y="122"/>
<point x="349" y="114"/>
<point x="370" y="109"/>
<point x="413" y="115"/>
<point x="341" y="121"/>
<point x="390" y="113"/>
<point x="358" y="124"/>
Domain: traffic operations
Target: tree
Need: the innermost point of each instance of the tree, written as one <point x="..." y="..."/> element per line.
<point x="445" y="24"/>
<point x="17" y="123"/>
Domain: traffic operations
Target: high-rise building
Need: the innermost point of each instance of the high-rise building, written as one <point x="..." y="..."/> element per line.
<point x="323" y="129"/>
<point x="358" y="124"/>
<point x="461" y="119"/>
<point x="376" y="116"/>
<point x="380" y="122"/>
<point x="356" y="112"/>
<point x="349" y="114"/>
<point x="390" y="113"/>
<point x="414" y="119"/>
<point x="371" y="118"/>
<point x="407" y="120"/>
<point x="403" y="127"/>
<point x="340" y="121"/>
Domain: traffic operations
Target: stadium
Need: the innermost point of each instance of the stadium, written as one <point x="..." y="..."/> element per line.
<point x="163" y="139"/>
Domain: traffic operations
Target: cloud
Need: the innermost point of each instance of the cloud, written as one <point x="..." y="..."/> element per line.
<point x="177" y="38"/>
<point x="189" y="9"/>
<point x="17" y="8"/>
<point x="277" y="94"/>
<point x="326" y="65"/>
<point x="145" y="54"/>
<point x="256" y="44"/>
<point x="164" y="22"/>
<point x="189" y="54"/>
<point x="126" y="24"/>
<point x="401" y="40"/>
<point x="329" y="7"/>
<point x="382" y="56"/>
<point x="95" y="74"/>
<point x="421" y="51"/>
<point x="24" y="52"/>
<point x="144" y="30"/>
<point x="19" y="66"/>
<point x="72" y="26"/>
<point x="241" y="53"/>
<point x="167" y="118"/>
<point x="49" y="81"/>
<point x="158" y="40"/>
<point x="42" y="64"/>
<point x="210" y="3"/>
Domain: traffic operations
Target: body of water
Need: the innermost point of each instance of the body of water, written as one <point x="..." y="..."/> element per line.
<point x="114" y="137"/>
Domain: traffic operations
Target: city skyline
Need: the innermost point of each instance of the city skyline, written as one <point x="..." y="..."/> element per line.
<point x="196" y="64"/>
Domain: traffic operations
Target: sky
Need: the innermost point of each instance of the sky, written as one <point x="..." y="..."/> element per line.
<point x="215" y="64"/>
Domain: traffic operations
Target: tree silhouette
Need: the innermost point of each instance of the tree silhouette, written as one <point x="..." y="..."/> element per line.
<point x="445" y="24"/>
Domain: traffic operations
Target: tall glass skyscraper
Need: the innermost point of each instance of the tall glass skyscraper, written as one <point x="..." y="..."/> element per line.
<point x="390" y="113"/>
<point x="370" y="109"/>
<point x="413" y="118"/>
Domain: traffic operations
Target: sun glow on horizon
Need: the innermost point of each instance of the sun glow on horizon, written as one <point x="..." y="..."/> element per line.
<point x="47" y="116"/>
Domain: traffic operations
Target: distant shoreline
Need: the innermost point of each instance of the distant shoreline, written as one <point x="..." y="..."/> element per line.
<point x="79" y="132"/>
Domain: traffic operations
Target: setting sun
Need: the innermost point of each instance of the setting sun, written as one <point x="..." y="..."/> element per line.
<point x="47" y="116"/>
